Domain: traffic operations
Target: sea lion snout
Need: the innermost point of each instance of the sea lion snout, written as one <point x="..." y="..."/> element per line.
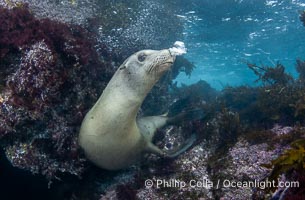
<point x="163" y="61"/>
<point x="166" y="56"/>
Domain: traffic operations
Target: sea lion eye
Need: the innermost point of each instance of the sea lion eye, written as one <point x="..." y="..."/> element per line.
<point x="141" y="57"/>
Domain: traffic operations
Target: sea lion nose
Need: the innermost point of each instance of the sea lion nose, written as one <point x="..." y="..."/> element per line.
<point x="173" y="56"/>
<point x="169" y="54"/>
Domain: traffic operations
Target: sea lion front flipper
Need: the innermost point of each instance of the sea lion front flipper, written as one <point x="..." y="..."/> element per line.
<point x="188" y="143"/>
<point x="151" y="148"/>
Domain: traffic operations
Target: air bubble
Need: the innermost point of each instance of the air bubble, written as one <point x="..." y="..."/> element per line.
<point x="178" y="49"/>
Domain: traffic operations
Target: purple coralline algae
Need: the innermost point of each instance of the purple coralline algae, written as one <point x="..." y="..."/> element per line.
<point x="245" y="165"/>
<point x="281" y="130"/>
<point x="50" y="76"/>
<point x="189" y="176"/>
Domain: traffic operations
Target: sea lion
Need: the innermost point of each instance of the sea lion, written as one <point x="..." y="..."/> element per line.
<point x="111" y="135"/>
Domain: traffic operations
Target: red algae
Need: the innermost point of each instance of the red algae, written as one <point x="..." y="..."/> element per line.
<point x="50" y="76"/>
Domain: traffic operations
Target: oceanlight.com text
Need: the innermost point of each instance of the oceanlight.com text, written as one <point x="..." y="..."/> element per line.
<point x="206" y="183"/>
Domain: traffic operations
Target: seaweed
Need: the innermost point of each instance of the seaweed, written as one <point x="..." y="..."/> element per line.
<point x="50" y="76"/>
<point x="292" y="159"/>
<point x="182" y="65"/>
<point x="291" y="164"/>
<point x="243" y="100"/>
<point x="300" y="67"/>
<point x="271" y="75"/>
<point x="279" y="99"/>
<point x="302" y="17"/>
<point x="229" y="127"/>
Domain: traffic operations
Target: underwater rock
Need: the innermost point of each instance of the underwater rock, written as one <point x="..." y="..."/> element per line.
<point x="50" y="76"/>
<point x="280" y="130"/>
<point x="187" y="169"/>
<point x="243" y="162"/>
<point x="30" y="157"/>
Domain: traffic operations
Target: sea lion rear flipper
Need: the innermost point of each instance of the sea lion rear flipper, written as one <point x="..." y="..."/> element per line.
<point x="151" y="148"/>
<point x="149" y="125"/>
<point x="188" y="143"/>
<point x="189" y="115"/>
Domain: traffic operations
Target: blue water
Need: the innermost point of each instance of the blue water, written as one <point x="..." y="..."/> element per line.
<point x="221" y="35"/>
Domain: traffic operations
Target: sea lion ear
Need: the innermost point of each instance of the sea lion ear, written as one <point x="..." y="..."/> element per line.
<point x="122" y="67"/>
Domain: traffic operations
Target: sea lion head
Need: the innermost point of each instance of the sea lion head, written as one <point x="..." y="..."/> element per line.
<point x="150" y="62"/>
<point x="144" y="68"/>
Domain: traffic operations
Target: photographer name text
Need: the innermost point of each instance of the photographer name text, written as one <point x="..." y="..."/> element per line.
<point x="208" y="184"/>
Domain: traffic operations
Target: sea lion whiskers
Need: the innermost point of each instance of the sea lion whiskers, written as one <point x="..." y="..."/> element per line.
<point x="150" y="68"/>
<point x="158" y="61"/>
<point x="153" y="70"/>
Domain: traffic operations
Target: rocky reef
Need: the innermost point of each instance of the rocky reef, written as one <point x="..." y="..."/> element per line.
<point x="49" y="79"/>
<point x="53" y="66"/>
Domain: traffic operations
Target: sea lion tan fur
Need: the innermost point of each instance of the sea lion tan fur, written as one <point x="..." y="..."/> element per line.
<point x="111" y="135"/>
